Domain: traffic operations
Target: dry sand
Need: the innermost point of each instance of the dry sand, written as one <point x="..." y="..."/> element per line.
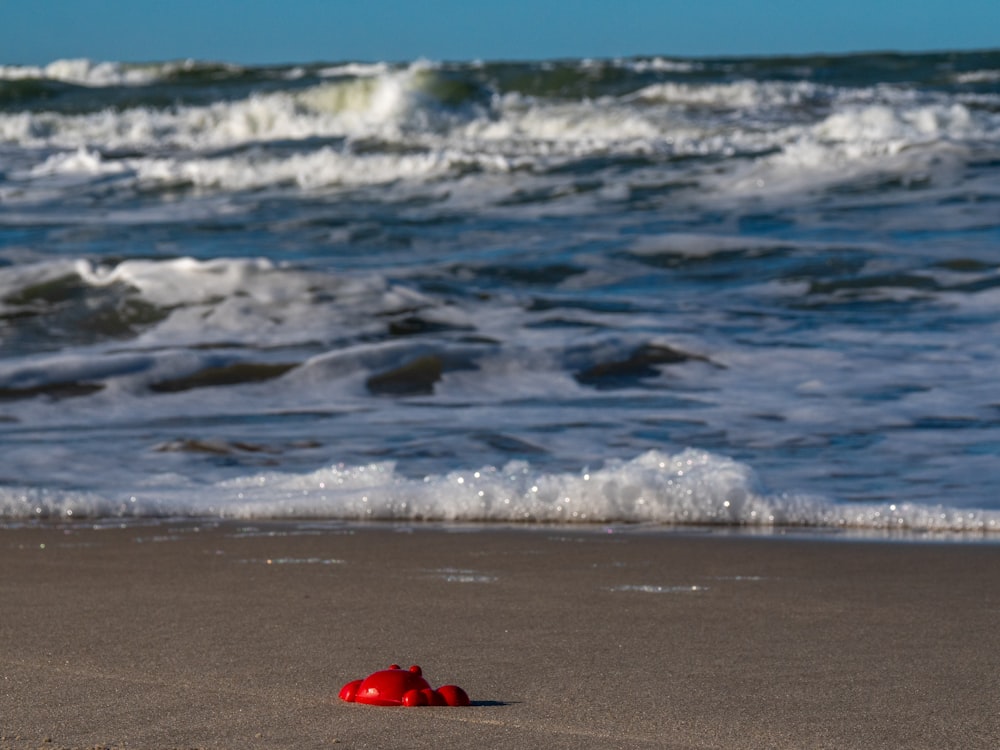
<point x="240" y="636"/>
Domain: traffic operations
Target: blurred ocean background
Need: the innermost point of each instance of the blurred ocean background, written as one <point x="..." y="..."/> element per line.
<point x="748" y="292"/>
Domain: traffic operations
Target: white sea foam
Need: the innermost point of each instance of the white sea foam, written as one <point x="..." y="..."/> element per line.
<point x="921" y="143"/>
<point x="253" y="303"/>
<point x="265" y="117"/>
<point x="978" y="76"/>
<point x="660" y="65"/>
<point x="215" y="146"/>
<point x="220" y="299"/>
<point x="688" y="488"/>
<point x="736" y="95"/>
<point x="84" y="72"/>
<point x="355" y="69"/>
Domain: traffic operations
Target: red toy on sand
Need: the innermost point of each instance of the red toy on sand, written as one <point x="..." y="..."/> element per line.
<point x="401" y="687"/>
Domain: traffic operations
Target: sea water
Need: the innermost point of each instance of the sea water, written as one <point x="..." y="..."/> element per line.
<point x="748" y="292"/>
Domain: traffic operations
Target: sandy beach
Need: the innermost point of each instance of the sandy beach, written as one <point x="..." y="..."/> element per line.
<point x="180" y="635"/>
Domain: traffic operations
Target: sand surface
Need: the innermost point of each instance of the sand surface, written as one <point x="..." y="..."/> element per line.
<point x="240" y="636"/>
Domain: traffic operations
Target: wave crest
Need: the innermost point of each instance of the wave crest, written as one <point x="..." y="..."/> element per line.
<point x="693" y="488"/>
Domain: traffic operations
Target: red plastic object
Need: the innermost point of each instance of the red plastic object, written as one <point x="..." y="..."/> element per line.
<point x="401" y="687"/>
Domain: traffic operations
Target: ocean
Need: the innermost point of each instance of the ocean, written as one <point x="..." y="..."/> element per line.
<point x="752" y="293"/>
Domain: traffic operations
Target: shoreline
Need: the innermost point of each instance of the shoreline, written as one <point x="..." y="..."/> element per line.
<point x="240" y="634"/>
<point x="774" y="532"/>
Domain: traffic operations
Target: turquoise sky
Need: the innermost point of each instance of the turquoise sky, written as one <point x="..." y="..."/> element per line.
<point x="271" y="31"/>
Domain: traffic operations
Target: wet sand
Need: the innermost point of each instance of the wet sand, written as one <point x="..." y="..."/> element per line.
<point x="240" y="636"/>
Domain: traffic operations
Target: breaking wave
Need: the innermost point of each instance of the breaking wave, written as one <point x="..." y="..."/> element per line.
<point x="692" y="488"/>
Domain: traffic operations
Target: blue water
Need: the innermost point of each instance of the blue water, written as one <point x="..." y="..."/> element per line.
<point x="742" y="292"/>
